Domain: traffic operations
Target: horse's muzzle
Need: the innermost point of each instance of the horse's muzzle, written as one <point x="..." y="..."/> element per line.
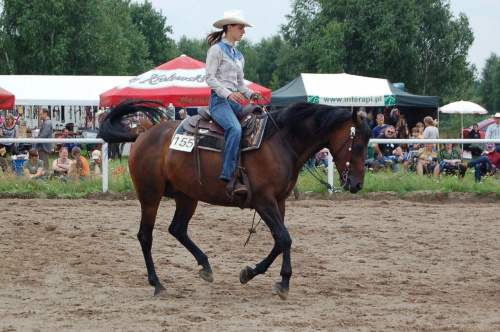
<point x="352" y="188"/>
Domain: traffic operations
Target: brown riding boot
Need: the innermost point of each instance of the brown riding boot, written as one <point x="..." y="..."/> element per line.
<point x="235" y="187"/>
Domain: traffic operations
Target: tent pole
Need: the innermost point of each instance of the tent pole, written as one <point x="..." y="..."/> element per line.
<point x="462" y="131"/>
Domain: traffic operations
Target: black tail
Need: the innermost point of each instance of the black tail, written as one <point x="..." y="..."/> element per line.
<point x="113" y="128"/>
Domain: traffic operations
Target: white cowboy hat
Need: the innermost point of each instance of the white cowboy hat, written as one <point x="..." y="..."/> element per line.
<point x="232" y="17"/>
<point x="497" y="115"/>
<point x="99" y="113"/>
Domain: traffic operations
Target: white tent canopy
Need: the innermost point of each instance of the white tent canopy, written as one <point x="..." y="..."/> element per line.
<point x="59" y="89"/>
<point x="347" y="90"/>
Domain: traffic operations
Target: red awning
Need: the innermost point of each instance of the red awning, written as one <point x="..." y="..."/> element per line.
<point x="7" y="100"/>
<point x="180" y="81"/>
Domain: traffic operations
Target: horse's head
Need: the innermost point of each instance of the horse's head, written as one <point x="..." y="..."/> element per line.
<point x="349" y="145"/>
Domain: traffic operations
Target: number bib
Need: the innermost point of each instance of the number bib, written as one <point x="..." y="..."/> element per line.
<point x="182" y="142"/>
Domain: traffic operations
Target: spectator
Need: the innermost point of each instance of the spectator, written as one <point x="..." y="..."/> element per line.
<point x="388" y="153"/>
<point x="5" y="157"/>
<point x="322" y="158"/>
<point x="474" y="134"/>
<point x="46" y="131"/>
<point x="493" y="131"/>
<point x="69" y="146"/>
<point x="431" y="130"/>
<point x="489" y="162"/>
<point x="427" y="161"/>
<point x="60" y="165"/>
<point x="449" y="160"/>
<point x="33" y="168"/>
<point x="96" y="163"/>
<point x="183" y="114"/>
<point x="79" y="168"/>
<point x="411" y="157"/>
<point x="420" y="126"/>
<point x="380" y="126"/>
<point x="9" y="129"/>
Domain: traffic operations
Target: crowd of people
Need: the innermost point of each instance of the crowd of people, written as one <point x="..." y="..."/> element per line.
<point x="430" y="158"/>
<point x="37" y="166"/>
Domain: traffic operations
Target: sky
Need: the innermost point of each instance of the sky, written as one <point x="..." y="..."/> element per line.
<point x="194" y="19"/>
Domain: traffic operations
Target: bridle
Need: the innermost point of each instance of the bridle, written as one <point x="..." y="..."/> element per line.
<point x="345" y="174"/>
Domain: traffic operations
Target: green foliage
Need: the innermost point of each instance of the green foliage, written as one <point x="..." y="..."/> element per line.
<point x="194" y="48"/>
<point x="416" y="42"/>
<point x="80" y="37"/>
<point x="152" y="25"/>
<point x="489" y="89"/>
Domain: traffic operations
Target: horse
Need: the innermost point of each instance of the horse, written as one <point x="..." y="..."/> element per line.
<point x="292" y="136"/>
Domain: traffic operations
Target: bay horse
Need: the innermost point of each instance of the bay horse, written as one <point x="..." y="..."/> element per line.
<point x="292" y="135"/>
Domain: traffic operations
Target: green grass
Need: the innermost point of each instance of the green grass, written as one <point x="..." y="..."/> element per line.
<point x="15" y="186"/>
<point x="404" y="183"/>
<point x="382" y="181"/>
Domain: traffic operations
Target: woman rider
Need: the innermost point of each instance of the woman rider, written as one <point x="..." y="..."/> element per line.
<point x="224" y="75"/>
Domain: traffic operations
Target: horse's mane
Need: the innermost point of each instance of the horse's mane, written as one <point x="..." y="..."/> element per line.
<point x="292" y="118"/>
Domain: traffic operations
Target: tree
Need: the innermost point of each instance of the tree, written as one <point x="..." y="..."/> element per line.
<point x="71" y="37"/>
<point x="152" y="25"/>
<point x="489" y="88"/>
<point x="194" y="48"/>
<point x="413" y="41"/>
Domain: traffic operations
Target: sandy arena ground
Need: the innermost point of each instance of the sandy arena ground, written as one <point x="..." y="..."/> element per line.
<point x="358" y="265"/>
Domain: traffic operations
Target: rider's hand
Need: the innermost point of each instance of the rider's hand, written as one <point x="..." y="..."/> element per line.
<point x="256" y="95"/>
<point x="237" y="97"/>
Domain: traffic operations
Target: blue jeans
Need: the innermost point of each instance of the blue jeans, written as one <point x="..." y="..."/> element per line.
<point x="481" y="165"/>
<point x="394" y="159"/>
<point x="311" y="163"/>
<point x="224" y="111"/>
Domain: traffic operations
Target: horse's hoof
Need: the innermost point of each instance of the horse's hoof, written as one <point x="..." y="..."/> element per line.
<point x="246" y="275"/>
<point x="160" y="290"/>
<point x="281" y="291"/>
<point x="207" y="276"/>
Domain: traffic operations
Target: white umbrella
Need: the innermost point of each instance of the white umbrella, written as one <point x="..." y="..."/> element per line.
<point x="463" y="107"/>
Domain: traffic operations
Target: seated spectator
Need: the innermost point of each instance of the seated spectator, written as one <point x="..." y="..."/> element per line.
<point x="489" y="162"/>
<point x="69" y="146"/>
<point x="474" y="134"/>
<point x="5" y="157"/>
<point x="60" y="165"/>
<point x="9" y="130"/>
<point x="411" y="156"/>
<point x="322" y="158"/>
<point x="427" y="161"/>
<point x="389" y="153"/>
<point x="96" y="163"/>
<point x="449" y="160"/>
<point x="33" y="168"/>
<point x="78" y="168"/>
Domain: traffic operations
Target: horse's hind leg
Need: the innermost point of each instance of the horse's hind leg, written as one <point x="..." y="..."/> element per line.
<point x="149" y="209"/>
<point x="185" y="208"/>
<point x="274" y="219"/>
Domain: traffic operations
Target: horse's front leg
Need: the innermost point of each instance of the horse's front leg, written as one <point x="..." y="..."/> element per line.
<point x="185" y="208"/>
<point x="273" y="216"/>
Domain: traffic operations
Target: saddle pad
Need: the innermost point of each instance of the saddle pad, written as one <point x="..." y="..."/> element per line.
<point x="248" y="142"/>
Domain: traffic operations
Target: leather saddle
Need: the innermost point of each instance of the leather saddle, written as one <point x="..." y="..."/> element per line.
<point x="202" y="124"/>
